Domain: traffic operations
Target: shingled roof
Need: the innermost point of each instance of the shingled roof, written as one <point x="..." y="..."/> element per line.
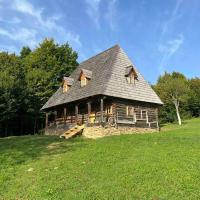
<point x="108" y="78"/>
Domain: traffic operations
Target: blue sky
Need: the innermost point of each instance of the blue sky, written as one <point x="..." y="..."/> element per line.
<point x="157" y="35"/>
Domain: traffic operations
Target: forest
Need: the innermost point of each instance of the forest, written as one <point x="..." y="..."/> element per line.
<point x="27" y="81"/>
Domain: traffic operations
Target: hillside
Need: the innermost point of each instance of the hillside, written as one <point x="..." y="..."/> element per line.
<point x="161" y="165"/>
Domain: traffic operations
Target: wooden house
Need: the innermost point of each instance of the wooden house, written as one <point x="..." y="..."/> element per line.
<point x="107" y="90"/>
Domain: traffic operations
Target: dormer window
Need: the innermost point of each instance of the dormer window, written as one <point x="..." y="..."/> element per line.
<point x="85" y="77"/>
<point x="83" y="81"/>
<point x="67" y="83"/>
<point x="131" y="75"/>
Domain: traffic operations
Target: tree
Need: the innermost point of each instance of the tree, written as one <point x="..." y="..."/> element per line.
<point x="11" y="89"/>
<point x="27" y="81"/>
<point x="173" y="88"/>
<point x="25" y="52"/>
<point x="194" y="100"/>
<point x="45" y="67"/>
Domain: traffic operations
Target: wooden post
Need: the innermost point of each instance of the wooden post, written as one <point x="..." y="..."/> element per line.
<point x="157" y="119"/>
<point x="76" y="113"/>
<point x="46" y="120"/>
<point x="65" y="114"/>
<point x="101" y="109"/>
<point x="55" y="115"/>
<point x="89" y="111"/>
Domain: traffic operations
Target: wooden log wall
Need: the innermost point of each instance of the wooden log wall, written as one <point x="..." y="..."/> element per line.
<point x="151" y="109"/>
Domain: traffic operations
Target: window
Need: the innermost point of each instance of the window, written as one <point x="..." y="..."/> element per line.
<point x="129" y="110"/>
<point x="83" y="81"/>
<point x="84" y="77"/>
<point x="143" y="114"/>
<point x="67" y="83"/>
<point x="65" y="87"/>
<point x="130" y="79"/>
<point x="131" y="75"/>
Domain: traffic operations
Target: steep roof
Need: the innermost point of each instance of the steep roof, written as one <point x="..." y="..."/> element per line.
<point x="108" y="78"/>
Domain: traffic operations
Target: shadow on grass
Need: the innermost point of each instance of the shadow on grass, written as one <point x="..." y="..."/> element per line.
<point x="17" y="150"/>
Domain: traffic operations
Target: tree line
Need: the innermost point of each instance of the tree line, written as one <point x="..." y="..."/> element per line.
<point x="27" y="81"/>
<point x="180" y="95"/>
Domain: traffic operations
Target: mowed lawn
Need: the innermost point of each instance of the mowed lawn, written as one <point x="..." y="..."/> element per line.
<point x="163" y="165"/>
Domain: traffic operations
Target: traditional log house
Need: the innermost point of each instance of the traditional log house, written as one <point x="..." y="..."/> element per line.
<point x="106" y="90"/>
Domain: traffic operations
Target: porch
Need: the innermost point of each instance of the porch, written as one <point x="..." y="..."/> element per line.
<point x="93" y="111"/>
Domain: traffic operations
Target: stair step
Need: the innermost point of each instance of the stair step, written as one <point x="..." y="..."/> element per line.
<point x="72" y="132"/>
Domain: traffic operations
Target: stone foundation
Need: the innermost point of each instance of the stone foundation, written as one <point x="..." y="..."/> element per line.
<point x="58" y="129"/>
<point x="98" y="132"/>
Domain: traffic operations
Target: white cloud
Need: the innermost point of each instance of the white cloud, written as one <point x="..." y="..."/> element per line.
<point x="25" y="36"/>
<point x="111" y="14"/>
<point x="14" y="20"/>
<point x="25" y="7"/>
<point x="173" y="17"/>
<point x="40" y="25"/>
<point x="169" y="49"/>
<point x="93" y="10"/>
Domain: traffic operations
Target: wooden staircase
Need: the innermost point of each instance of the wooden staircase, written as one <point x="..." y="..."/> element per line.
<point x="72" y="132"/>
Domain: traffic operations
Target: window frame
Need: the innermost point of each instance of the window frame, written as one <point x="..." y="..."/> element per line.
<point x="130" y="112"/>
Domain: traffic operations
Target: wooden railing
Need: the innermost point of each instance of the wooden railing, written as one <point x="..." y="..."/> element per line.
<point x="121" y="119"/>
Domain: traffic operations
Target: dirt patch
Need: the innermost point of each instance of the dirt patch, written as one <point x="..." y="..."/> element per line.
<point x="54" y="145"/>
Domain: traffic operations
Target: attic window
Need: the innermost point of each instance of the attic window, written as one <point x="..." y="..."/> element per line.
<point x="67" y="83"/>
<point x="83" y="81"/>
<point x="85" y="77"/>
<point x="131" y="75"/>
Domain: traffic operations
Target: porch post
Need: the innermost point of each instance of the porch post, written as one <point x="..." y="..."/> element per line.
<point x="46" y="119"/>
<point x="65" y="114"/>
<point x="157" y="119"/>
<point x="55" y="116"/>
<point x="76" y="113"/>
<point x="89" y="111"/>
<point x="101" y="109"/>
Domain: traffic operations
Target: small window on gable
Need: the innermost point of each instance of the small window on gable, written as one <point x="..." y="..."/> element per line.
<point x="85" y="77"/>
<point x="129" y="110"/>
<point x="130" y="79"/>
<point x="131" y="75"/>
<point x="65" y="87"/>
<point x="67" y="83"/>
<point x="83" y="81"/>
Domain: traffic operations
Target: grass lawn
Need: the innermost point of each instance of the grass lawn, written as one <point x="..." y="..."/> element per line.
<point x="163" y="165"/>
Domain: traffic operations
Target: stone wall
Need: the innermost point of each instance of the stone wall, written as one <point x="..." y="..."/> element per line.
<point x="58" y="129"/>
<point x="98" y="132"/>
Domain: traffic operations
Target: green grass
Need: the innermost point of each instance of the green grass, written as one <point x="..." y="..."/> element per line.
<point x="163" y="165"/>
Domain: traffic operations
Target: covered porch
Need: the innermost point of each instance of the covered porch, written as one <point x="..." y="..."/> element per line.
<point x="91" y="111"/>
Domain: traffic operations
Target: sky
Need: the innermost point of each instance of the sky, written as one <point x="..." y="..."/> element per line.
<point x="157" y="35"/>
